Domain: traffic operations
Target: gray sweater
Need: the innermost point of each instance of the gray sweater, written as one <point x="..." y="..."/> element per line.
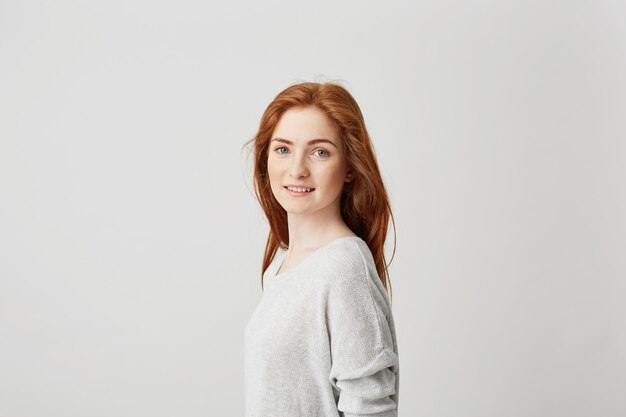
<point x="322" y="342"/>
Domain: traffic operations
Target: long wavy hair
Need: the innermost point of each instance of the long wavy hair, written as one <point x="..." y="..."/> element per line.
<point x="364" y="203"/>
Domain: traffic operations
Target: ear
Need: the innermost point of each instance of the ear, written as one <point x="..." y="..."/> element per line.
<point x="349" y="177"/>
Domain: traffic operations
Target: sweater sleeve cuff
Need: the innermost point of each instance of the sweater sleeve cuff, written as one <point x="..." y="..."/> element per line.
<point x="390" y="413"/>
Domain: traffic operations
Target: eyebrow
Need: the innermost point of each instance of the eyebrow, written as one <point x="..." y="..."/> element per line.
<point x="311" y="142"/>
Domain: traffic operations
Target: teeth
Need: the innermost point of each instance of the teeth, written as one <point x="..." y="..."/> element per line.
<point x="300" y="190"/>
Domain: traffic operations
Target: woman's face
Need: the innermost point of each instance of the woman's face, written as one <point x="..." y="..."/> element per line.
<point x="306" y="151"/>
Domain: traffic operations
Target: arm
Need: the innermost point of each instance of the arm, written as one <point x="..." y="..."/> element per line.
<point x="364" y="363"/>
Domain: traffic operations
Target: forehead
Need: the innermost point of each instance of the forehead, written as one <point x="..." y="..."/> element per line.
<point x="302" y="124"/>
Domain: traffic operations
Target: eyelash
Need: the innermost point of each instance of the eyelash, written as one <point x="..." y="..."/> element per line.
<point x="325" y="156"/>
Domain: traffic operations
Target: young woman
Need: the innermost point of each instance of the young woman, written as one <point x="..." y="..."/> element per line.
<point x="322" y="339"/>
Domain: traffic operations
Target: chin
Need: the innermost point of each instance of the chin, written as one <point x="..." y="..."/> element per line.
<point x="296" y="210"/>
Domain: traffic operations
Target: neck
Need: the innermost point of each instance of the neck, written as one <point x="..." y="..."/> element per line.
<point x="310" y="231"/>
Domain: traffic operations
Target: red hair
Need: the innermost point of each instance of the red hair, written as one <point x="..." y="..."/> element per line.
<point x="364" y="203"/>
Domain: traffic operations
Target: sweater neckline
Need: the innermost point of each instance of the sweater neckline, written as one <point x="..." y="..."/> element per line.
<point x="275" y="276"/>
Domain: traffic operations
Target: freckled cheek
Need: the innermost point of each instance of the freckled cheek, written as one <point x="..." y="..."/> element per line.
<point x="274" y="174"/>
<point x="277" y="165"/>
<point x="332" y="175"/>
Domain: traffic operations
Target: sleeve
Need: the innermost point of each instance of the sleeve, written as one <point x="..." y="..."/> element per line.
<point x="364" y="360"/>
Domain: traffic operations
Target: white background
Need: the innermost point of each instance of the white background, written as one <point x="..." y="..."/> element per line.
<point x="131" y="242"/>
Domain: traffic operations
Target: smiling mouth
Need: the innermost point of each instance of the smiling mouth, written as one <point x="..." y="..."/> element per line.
<point x="300" y="190"/>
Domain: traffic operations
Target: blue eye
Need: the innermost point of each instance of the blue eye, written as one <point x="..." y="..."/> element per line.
<point x="323" y="150"/>
<point x="280" y="147"/>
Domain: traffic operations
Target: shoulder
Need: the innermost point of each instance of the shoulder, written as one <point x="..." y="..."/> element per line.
<point x="349" y="263"/>
<point x="345" y="255"/>
<point x="352" y="281"/>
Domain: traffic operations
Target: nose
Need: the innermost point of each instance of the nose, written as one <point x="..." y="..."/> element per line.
<point x="299" y="168"/>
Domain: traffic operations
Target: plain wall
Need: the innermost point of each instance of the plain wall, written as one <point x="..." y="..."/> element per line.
<point x="131" y="241"/>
